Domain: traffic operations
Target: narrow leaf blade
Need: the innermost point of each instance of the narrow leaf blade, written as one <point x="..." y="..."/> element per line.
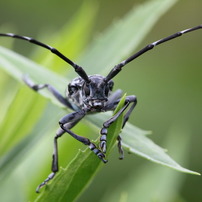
<point x="141" y="145"/>
<point x="72" y="180"/>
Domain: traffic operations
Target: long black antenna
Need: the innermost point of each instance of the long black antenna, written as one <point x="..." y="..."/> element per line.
<point x="80" y="71"/>
<point x="119" y="66"/>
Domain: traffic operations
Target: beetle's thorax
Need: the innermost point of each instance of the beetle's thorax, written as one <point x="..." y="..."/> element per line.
<point x="91" y="96"/>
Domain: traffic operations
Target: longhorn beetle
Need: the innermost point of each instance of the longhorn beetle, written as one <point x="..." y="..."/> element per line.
<point x="90" y="94"/>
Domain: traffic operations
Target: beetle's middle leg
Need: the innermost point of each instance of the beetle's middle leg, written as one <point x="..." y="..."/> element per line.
<point x="75" y="118"/>
<point x="54" y="92"/>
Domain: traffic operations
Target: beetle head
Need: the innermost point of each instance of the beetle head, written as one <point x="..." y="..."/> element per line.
<point x="92" y="95"/>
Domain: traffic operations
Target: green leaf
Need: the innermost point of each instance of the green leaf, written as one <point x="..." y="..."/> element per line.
<point x="134" y="140"/>
<point x="6" y="83"/>
<point x="27" y="116"/>
<point x="161" y="184"/>
<point x="144" y="147"/>
<point x="80" y="171"/>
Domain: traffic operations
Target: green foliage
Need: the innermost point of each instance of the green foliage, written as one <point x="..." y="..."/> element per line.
<point x="73" y="179"/>
<point x="160" y="184"/>
<point x="21" y="145"/>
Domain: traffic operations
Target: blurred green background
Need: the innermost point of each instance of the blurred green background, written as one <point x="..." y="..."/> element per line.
<point x="167" y="82"/>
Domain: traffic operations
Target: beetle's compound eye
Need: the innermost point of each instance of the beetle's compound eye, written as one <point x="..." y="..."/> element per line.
<point x="111" y="85"/>
<point x="106" y="91"/>
<point x="72" y="89"/>
<point x="86" y="89"/>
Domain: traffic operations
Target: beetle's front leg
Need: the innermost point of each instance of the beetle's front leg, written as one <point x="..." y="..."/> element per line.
<point x="103" y="139"/>
<point x="84" y="140"/>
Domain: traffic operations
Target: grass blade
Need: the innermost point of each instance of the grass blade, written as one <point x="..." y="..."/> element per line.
<point x="80" y="171"/>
